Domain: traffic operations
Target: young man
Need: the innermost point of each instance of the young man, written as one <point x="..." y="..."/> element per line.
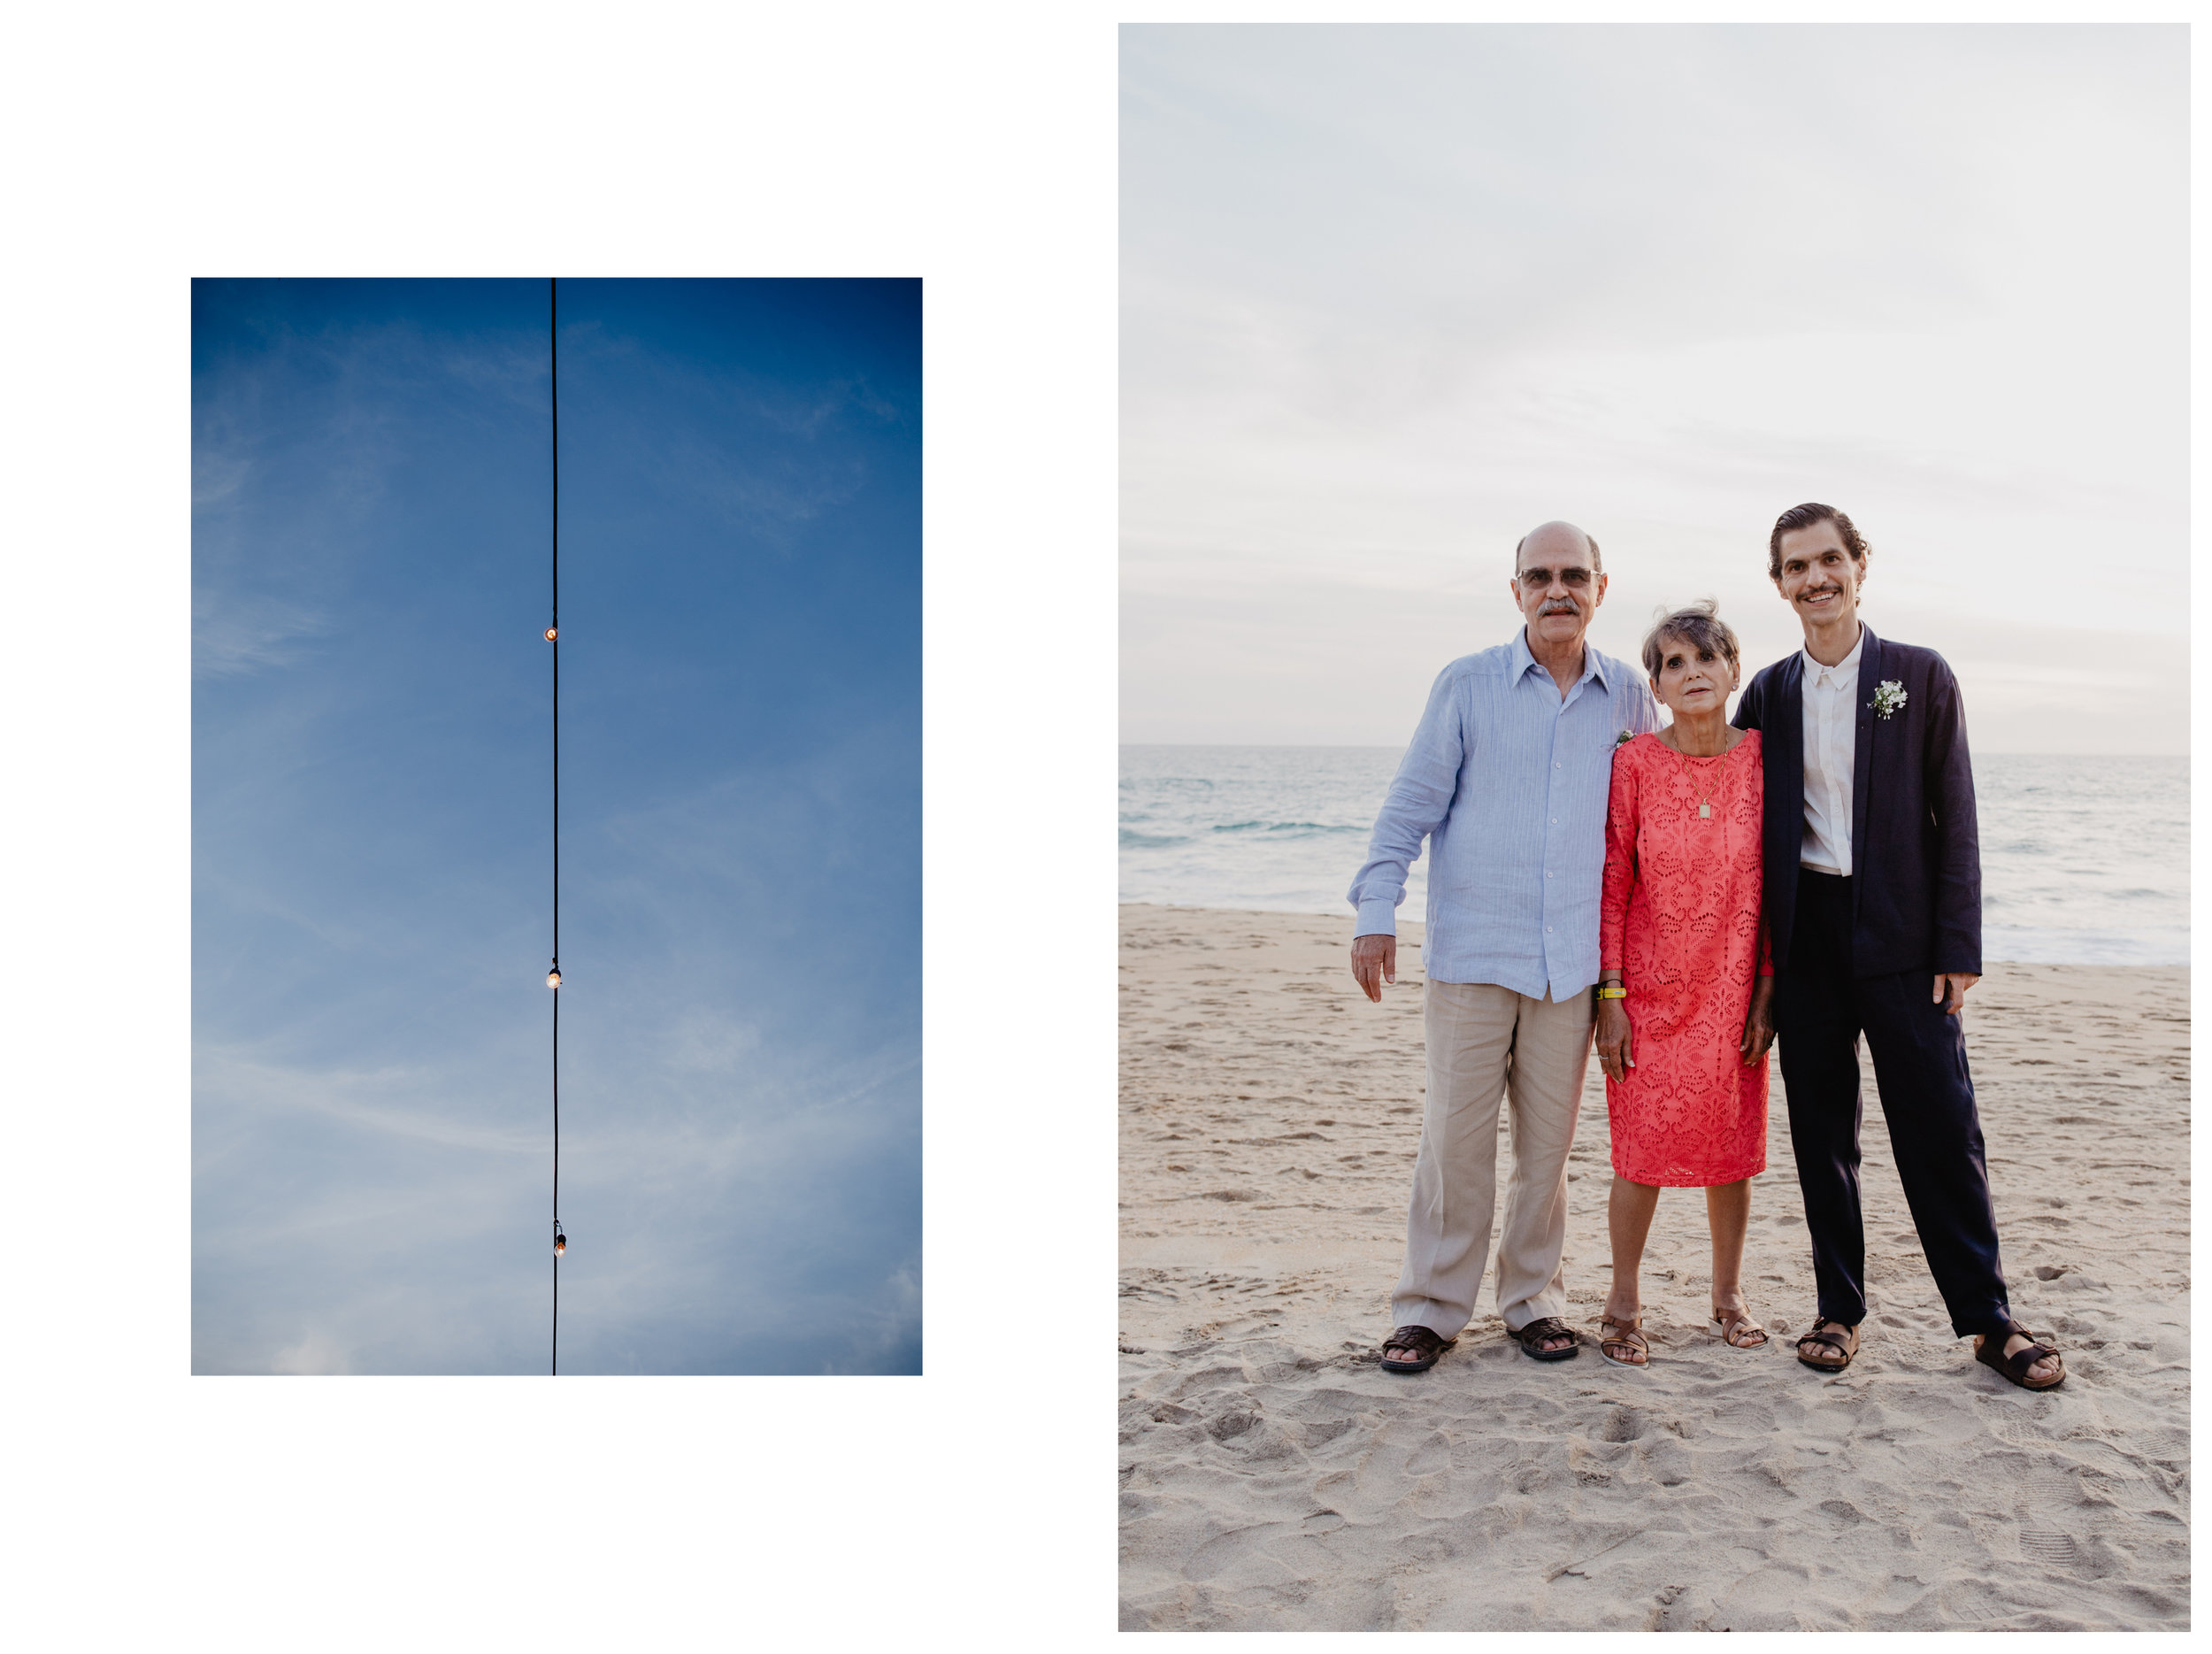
<point x="1507" y="778"/>
<point x="1874" y="908"/>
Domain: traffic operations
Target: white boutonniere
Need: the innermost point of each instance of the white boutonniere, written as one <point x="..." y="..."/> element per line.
<point x="1889" y="695"/>
<point x="1624" y="737"/>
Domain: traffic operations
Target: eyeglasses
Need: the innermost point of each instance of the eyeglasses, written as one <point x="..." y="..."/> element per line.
<point x="1575" y="579"/>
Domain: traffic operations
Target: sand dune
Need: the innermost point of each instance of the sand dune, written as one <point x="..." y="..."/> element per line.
<point x="1273" y="1478"/>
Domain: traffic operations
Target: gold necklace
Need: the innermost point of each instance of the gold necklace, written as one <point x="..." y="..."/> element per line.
<point x="1704" y="803"/>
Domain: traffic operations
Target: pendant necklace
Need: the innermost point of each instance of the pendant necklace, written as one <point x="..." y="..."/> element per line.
<point x="1704" y="805"/>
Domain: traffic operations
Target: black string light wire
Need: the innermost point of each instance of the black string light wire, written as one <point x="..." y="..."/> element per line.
<point x="553" y="636"/>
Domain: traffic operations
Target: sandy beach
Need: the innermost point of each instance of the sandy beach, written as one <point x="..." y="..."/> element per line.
<point x="1274" y="1478"/>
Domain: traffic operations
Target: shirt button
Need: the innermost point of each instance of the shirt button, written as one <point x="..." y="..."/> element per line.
<point x="1547" y="930"/>
<point x="1547" y="872"/>
<point x="1556" y="767"/>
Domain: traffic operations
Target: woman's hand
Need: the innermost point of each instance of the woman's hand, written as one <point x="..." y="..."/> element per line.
<point x="1613" y="1055"/>
<point x="1758" y="1023"/>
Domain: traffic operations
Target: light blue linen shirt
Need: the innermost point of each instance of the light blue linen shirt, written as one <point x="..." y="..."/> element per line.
<point x="1509" y="784"/>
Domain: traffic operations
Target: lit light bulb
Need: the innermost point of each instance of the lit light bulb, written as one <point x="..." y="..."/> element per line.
<point x="552" y="634"/>
<point x="553" y="977"/>
<point x="560" y="1242"/>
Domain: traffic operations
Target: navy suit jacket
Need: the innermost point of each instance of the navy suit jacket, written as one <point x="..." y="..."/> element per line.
<point x="1916" y="853"/>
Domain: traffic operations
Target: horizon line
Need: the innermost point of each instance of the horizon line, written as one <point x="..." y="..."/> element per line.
<point x="1385" y="746"/>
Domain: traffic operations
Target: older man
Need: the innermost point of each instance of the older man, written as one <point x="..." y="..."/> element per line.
<point x="1506" y="777"/>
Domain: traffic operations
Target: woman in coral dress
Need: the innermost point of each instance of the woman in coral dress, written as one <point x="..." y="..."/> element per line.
<point x="1686" y="984"/>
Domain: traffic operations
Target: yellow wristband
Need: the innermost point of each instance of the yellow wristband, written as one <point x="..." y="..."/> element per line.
<point x="1611" y="990"/>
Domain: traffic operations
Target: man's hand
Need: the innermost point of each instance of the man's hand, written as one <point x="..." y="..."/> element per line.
<point x="1954" y="983"/>
<point x="1374" y="961"/>
<point x="1758" y="1023"/>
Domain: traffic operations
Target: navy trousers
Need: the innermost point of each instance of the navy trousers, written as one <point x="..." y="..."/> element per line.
<point x="1820" y="1009"/>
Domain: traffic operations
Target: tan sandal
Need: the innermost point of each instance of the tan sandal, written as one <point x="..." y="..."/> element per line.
<point x="1737" y="1329"/>
<point x="1627" y="1339"/>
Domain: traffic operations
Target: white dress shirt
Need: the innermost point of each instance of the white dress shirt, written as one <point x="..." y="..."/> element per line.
<point x="1832" y="725"/>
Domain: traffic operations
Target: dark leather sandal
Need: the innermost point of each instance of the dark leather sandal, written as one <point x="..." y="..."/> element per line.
<point x="1989" y="1350"/>
<point x="1422" y="1341"/>
<point x="1536" y="1331"/>
<point x="1847" y="1351"/>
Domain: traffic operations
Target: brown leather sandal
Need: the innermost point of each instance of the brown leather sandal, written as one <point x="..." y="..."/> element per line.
<point x="1847" y="1351"/>
<point x="1989" y="1350"/>
<point x="1627" y="1339"/>
<point x="1422" y="1341"/>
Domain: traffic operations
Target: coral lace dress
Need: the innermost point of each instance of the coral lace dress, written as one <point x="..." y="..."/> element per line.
<point x="1680" y="921"/>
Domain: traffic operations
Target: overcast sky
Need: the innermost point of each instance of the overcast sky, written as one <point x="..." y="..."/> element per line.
<point x="741" y="780"/>
<point x="1393" y="295"/>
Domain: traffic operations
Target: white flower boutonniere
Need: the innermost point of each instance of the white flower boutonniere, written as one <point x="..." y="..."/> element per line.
<point x="1624" y="737"/>
<point x="1889" y="695"/>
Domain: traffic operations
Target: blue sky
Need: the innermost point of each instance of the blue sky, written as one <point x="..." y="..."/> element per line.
<point x="741" y="747"/>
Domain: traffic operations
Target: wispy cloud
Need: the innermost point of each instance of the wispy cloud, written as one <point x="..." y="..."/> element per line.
<point x="234" y="635"/>
<point x="394" y="1103"/>
<point x="317" y="1352"/>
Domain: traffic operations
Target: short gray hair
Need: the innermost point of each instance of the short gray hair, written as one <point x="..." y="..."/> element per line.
<point x="1700" y="626"/>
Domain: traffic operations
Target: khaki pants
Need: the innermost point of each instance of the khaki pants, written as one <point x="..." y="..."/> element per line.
<point x="1485" y="1042"/>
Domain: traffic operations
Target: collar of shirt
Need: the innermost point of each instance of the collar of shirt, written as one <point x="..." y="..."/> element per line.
<point x="1524" y="662"/>
<point x="1843" y="672"/>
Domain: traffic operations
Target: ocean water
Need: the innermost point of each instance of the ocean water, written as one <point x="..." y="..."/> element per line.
<point x="2085" y="860"/>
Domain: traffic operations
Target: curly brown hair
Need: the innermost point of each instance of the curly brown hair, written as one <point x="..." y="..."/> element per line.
<point x="1804" y="517"/>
